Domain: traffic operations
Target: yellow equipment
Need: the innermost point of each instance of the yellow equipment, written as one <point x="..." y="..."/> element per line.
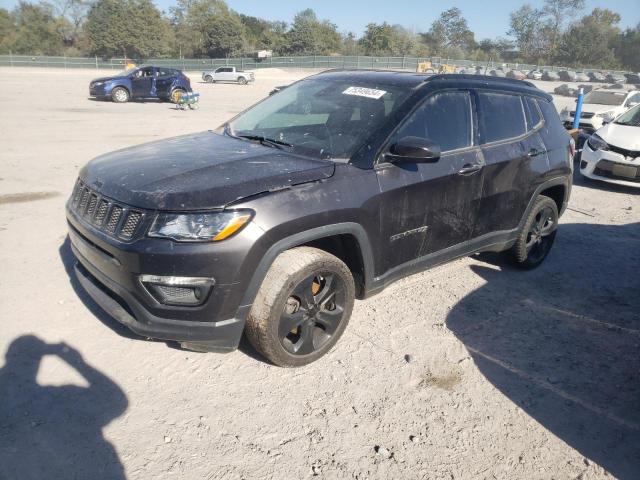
<point x="429" y="67"/>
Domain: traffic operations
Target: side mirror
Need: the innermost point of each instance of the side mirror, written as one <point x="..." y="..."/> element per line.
<point x="632" y="104"/>
<point x="414" y="150"/>
<point x="607" y="119"/>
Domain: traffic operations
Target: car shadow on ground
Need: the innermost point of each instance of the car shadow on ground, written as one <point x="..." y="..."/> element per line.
<point x="49" y="431"/>
<point x="563" y="341"/>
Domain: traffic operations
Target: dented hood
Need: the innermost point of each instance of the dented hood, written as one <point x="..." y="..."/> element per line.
<point x="199" y="171"/>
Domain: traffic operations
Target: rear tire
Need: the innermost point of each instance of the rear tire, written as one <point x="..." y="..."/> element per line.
<point x="537" y="235"/>
<point x="120" y="95"/>
<point x="302" y="307"/>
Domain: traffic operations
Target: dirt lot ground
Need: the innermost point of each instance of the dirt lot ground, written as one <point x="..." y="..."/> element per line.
<point x="513" y="375"/>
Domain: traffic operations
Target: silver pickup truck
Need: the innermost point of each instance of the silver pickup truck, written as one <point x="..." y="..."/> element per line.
<point x="227" y="74"/>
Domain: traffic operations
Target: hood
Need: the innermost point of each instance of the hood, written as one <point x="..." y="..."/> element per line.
<point x="199" y="171"/>
<point x="597" y="108"/>
<point x="621" y="136"/>
<point x="107" y="79"/>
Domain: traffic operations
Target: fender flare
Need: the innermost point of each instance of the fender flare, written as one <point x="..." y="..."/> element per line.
<point x="554" y="182"/>
<point x="349" y="228"/>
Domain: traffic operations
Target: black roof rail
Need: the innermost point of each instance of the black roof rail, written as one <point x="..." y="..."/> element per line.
<point x="463" y="76"/>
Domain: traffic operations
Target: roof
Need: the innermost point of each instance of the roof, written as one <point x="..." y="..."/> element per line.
<point x="381" y="77"/>
<point x="411" y="79"/>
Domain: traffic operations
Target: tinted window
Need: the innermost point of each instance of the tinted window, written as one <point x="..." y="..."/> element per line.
<point x="444" y="118"/>
<point x="500" y="116"/>
<point x="165" y="72"/>
<point x="550" y="113"/>
<point x="533" y="114"/>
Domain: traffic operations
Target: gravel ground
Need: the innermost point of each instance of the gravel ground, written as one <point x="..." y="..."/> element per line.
<point x="470" y="370"/>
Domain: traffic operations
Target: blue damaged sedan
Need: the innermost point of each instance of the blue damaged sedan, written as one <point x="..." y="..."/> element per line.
<point x="141" y="83"/>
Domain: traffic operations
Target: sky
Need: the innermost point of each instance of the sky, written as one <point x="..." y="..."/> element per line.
<point x="486" y="18"/>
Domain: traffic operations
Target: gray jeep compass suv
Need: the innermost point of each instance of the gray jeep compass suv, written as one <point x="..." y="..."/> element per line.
<point x="325" y="192"/>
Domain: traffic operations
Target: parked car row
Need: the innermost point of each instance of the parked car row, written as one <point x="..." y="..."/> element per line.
<point x="552" y="75"/>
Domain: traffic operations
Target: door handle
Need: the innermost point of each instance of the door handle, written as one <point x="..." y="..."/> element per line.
<point x="469" y="168"/>
<point x="534" y="152"/>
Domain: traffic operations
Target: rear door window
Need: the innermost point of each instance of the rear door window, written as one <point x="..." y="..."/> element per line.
<point x="165" y="72"/>
<point x="500" y="116"/>
<point x="444" y="118"/>
<point x="533" y="113"/>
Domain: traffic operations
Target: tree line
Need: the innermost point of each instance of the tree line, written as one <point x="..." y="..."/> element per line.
<point x="561" y="32"/>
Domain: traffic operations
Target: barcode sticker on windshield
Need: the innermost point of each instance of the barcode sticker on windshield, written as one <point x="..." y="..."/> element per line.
<point x="364" y="92"/>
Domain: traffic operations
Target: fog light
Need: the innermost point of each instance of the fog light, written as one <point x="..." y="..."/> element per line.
<point x="179" y="291"/>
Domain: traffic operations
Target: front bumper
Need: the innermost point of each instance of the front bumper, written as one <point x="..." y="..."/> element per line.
<point x="99" y="91"/>
<point x="609" y="167"/>
<point x="109" y="270"/>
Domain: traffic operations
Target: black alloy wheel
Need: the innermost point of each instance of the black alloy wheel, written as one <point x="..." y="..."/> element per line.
<point x="312" y="313"/>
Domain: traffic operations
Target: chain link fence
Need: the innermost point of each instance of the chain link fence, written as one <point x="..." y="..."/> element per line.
<point x="251" y="63"/>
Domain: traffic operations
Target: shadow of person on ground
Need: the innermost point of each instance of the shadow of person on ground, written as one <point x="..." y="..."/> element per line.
<point x="55" y="431"/>
<point x="563" y="341"/>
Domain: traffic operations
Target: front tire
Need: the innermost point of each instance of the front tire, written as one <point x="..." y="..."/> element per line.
<point x="242" y="81"/>
<point x="537" y="235"/>
<point x="208" y="79"/>
<point x="120" y="95"/>
<point x="302" y="307"/>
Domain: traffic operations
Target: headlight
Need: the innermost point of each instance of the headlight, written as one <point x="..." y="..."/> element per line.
<point x="98" y="84"/>
<point x="597" y="143"/>
<point x="605" y="114"/>
<point x="199" y="227"/>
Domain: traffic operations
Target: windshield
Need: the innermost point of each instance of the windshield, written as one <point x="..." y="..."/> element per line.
<point x="127" y="72"/>
<point x="630" y="118"/>
<point x="321" y="118"/>
<point x="605" y="98"/>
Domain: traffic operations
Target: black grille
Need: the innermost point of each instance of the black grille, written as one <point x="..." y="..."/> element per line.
<point x="91" y="208"/>
<point x="604" y="168"/>
<point x="130" y="225"/>
<point x="102" y="212"/>
<point x="583" y="114"/>
<point x="115" y="219"/>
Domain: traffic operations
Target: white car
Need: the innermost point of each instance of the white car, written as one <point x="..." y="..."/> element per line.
<point x="599" y="105"/>
<point x="612" y="154"/>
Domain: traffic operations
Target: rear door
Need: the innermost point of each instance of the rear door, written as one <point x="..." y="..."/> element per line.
<point x="428" y="207"/>
<point x="164" y="81"/>
<point x="143" y="83"/>
<point x="508" y="151"/>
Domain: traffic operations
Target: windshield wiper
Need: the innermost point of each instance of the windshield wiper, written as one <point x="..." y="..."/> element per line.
<point x="272" y="142"/>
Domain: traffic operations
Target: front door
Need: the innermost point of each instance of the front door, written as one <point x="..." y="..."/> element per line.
<point x="143" y="84"/>
<point x="426" y="208"/>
